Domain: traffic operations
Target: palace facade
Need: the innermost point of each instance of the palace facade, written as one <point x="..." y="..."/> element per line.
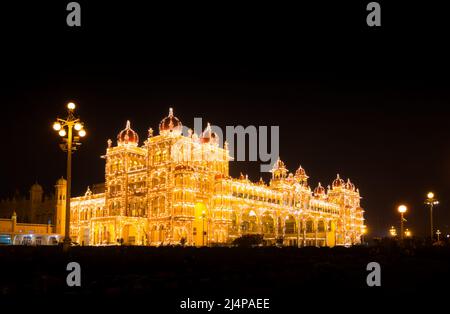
<point x="176" y="189"/>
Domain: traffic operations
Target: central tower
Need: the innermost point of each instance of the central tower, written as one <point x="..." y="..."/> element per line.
<point x="182" y="172"/>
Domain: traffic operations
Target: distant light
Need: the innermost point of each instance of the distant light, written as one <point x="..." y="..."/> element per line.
<point x="82" y="133"/>
<point x="78" y="126"/>
<point x="392" y="231"/>
<point x="430" y="195"/>
<point x="408" y="233"/>
<point x="56" y="126"/>
<point x="62" y="132"/>
<point x="402" y="209"/>
<point x="71" y="106"/>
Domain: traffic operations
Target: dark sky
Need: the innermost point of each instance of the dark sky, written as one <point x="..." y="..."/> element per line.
<point x="368" y="104"/>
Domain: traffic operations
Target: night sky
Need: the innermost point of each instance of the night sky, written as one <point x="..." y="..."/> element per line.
<point x="369" y="104"/>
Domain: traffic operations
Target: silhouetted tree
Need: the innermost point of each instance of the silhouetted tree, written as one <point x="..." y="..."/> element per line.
<point x="249" y="240"/>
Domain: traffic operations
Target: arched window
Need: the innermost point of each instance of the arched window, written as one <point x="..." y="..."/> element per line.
<point x="162" y="204"/>
<point x="155" y="209"/>
<point x="290" y="226"/>
<point x="309" y="226"/>
<point x="162" y="179"/>
<point x="268" y="224"/>
<point x="321" y="226"/>
<point x="155" y="182"/>
<point x="164" y="155"/>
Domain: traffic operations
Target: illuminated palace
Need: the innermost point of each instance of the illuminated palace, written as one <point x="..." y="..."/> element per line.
<point x="176" y="189"/>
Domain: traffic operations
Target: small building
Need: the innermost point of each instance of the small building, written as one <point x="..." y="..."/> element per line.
<point x="40" y="219"/>
<point x="12" y="232"/>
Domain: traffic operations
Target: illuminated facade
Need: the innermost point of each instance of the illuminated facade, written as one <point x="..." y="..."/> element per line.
<point x="177" y="189"/>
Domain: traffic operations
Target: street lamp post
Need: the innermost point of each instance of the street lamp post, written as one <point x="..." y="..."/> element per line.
<point x="402" y="209"/>
<point x="70" y="145"/>
<point x="431" y="201"/>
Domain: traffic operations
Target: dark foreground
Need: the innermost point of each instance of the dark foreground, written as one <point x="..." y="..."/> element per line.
<point x="160" y="278"/>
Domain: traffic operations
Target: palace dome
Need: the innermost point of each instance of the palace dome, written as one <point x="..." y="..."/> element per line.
<point x="279" y="170"/>
<point x="127" y="136"/>
<point x="319" y="190"/>
<point x="300" y="172"/>
<point x="61" y="181"/>
<point x="208" y="135"/>
<point x="349" y="185"/>
<point x="338" y="182"/>
<point x="170" y="124"/>
<point x="279" y="165"/>
<point x="36" y="188"/>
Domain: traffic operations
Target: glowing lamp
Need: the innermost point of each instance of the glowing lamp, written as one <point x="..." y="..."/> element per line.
<point x="402" y="209"/>
<point x="62" y="132"/>
<point x="71" y="106"/>
<point x="430" y="195"/>
<point x="56" y="126"/>
<point x="82" y="133"/>
<point x="78" y="126"/>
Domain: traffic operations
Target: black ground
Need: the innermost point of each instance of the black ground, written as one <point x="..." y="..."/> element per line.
<point x="163" y="277"/>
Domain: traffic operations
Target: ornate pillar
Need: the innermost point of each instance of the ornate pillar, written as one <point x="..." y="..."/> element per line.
<point x="336" y="233"/>
<point x="304" y="232"/>
<point x="315" y="232"/>
<point x="275" y="227"/>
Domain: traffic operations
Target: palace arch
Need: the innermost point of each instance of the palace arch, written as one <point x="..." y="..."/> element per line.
<point x="249" y="222"/>
<point x="268" y="224"/>
<point x="200" y="225"/>
<point x="129" y="235"/>
<point x="290" y="226"/>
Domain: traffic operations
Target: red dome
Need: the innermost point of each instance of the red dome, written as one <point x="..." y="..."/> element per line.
<point x="300" y="174"/>
<point x="279" y="165"/>
<point x="319" y="190"/>
<point x="338" y="182"/>
<point x="349" y="185"/>
<point x="127" y="136"/>
<point x="170" y="124"/>
<point x="208" y="135"/>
